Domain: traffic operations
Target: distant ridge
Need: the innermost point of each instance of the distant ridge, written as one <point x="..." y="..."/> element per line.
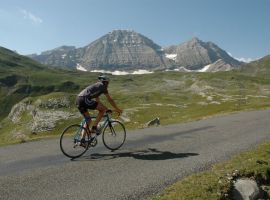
<point x="259" y="67"/>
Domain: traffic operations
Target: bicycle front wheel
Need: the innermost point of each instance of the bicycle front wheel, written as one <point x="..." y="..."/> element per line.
<point x="70" y="141"/>
<point x="114" y="135"/>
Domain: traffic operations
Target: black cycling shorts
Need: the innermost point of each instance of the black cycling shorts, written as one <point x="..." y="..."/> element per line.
<point x="83" y="104"/>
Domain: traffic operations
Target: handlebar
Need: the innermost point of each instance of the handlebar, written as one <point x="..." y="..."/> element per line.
<point x="109" y="111"/>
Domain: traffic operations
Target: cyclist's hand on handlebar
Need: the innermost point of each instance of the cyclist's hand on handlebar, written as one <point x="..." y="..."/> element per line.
<point x="109" y="111"/>
<point x="119" y="111"/>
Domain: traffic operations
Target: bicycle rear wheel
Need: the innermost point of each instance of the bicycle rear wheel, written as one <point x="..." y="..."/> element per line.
<point x="70" y="141"/>
<point x="114" y="135"/>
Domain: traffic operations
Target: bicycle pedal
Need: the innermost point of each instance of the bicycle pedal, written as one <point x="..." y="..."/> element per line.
<point x="76" y="144"/>
<point x="94" y="142"/>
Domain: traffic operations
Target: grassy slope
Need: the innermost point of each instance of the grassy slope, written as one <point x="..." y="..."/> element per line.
<point x="217" y="183"/>
<point x="174" y="97"/>
<point x="21" y="77"/>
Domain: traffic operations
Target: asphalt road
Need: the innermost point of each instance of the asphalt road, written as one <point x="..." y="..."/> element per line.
<point x="150" y="160"/>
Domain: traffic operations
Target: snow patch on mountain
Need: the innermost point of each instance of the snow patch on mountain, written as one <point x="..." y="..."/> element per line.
<point x="171" y="56"/>
<point x="183" y="69"/>
<point x="140" y="71"/>
<point x="80" y="68"/>
<point x="204" y="69"/>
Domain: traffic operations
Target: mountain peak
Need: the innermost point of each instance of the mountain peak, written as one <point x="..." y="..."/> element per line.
<point x="65" y="48"/>
<point x="126" y="35"/>
<point x="122" y="31"/>
<point x="123" y="49"/>
<point x="194" y="41"/>
<point x="123" y="36"/>
<point x="195" y="54"/>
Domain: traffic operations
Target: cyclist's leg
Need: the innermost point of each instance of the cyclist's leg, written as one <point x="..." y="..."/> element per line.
<point x="83" y="108"/>
<point x="101" y="111"/>
<point x="88" y="120"/>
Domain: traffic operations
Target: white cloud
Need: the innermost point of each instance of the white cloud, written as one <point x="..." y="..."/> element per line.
<point x="140" y="71"/>
<point x="30" y="16"/>
<point x="246" y="60"/>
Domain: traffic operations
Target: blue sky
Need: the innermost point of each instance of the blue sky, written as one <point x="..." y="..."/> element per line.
<point x="241" y="27"/>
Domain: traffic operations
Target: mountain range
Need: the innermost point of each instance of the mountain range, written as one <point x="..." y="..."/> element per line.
<point x="127" y="50"/>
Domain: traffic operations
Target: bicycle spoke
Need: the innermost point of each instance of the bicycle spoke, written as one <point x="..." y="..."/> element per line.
<point x="70" y="142"/>
<point x="114" y="135"/>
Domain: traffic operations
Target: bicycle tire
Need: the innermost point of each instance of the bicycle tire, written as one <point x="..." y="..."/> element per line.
<point x="69" y="141"/>
<point x="114" y="135"/>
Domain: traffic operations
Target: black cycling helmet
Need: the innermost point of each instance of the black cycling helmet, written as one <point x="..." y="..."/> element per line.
<point x="103" y="78"/>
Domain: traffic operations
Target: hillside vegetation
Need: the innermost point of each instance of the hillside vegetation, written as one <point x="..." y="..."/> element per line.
<point x="37" y="101"/>
<point x="218" y="182"/>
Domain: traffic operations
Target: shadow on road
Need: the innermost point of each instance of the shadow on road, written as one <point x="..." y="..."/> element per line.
<point x="149" y="154"/>
<point x="153" y="138"/>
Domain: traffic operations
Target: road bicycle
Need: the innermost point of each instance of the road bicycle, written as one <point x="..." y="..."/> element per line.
<point x="113" y="136"/>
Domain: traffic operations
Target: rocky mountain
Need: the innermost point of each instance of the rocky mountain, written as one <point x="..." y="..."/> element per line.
<point x="119" y="49"/>
<point x="196" y="54"/>
<point x="123" y="49"/>
<point x="65" y="56"/>
<point x="128" y="51"/>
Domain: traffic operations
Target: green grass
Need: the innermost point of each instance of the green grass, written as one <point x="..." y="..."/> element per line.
<point x="174" y="97"/>
<point x="217" y="183"/>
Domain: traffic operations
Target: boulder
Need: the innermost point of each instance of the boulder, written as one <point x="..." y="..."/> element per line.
<point x="153" y="122"/>
<point x="246" y="189"/>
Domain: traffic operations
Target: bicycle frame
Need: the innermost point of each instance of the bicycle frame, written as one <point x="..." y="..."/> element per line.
<point x="112" y="138"/>
<point x="101" y="125"/>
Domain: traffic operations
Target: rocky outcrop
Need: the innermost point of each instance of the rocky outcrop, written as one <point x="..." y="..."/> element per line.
<point x="41" y="115"/>
<point x="55" y="103"/>
<point x="46" y="120"/>
<point x="219" y="65"/>
<point x="18" y="109"/>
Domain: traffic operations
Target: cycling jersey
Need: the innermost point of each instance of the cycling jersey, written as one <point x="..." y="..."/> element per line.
<point x="94" y="91"/>
<point x="85" y="100"/>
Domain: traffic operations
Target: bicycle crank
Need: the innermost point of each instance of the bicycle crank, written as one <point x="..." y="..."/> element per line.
<point x="94" y="142"/>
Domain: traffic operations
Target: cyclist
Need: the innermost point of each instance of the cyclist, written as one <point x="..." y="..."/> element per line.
<point x="88" y="98"/>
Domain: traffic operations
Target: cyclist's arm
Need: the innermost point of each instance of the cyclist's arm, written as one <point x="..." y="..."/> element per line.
<point x="111" y="101"/>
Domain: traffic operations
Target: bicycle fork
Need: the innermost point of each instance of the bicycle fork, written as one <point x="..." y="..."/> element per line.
<point x="112" y="129"/>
